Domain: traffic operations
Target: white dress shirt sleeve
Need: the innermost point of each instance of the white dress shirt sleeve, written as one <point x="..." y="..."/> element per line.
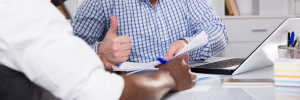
<point x="36" y="40"/>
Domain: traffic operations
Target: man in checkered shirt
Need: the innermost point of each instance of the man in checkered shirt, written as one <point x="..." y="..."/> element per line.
<point x="142" y="30"/>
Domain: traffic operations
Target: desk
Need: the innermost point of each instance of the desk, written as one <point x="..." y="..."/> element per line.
<point x="218" y="92"/>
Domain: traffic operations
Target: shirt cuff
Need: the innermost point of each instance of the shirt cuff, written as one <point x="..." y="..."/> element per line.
<point x="103" y="86"/>
<point x="95" y="46"/>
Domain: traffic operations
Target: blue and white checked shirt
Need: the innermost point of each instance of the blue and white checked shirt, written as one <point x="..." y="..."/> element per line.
<point x="152" y="29"/>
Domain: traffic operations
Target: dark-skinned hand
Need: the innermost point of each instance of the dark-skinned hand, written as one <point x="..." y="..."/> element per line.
<point x="180" y="71"/>
<point x="107" y="65"/>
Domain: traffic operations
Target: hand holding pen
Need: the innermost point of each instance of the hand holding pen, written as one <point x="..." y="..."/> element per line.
<point x="181" y="73"/>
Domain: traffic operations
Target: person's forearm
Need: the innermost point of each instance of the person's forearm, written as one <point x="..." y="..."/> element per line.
<point x="151" y="87"/>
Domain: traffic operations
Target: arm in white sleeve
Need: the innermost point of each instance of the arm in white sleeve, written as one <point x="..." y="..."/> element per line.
<point x="39" y="44"/>
<point x="94" y="90"/>
<point x="67" y="67"/>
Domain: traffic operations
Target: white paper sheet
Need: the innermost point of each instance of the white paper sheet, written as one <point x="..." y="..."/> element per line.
<point x="197" y="88"/>
<point x="130" y="66"/>
<point x="211" y="78"/>
<point x="197" y="42"/>
<point x="202" y="88"/>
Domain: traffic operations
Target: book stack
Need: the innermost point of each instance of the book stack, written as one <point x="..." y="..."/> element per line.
<point x="259" y="7"/>
<point x="231" y="8"/>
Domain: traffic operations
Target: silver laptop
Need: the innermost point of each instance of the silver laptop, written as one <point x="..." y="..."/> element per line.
<point x="262" y="56"/>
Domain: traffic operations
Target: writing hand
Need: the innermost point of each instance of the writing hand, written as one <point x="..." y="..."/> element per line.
<point x="115" y="48"/>
<point x="181" y="73"/>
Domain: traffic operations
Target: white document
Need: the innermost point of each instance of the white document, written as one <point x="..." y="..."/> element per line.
<point x="197" y="88"/>
<point x="197" y="42"/>
<point x="202" y="88"/>
<point x="207" y="75"/>
<point x="129" y="66"/>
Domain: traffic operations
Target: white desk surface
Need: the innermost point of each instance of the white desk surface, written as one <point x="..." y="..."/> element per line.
<point x="218" y="92"/>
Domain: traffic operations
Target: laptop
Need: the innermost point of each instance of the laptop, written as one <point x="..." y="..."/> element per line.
<point x="262" y="56"/>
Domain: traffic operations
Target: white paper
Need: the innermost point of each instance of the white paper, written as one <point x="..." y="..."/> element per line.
<point x="206" y="75"/>
<point x="197" y="42"/>
<point x="130" y="66"/>
<point x="202" y="88"/>
<point x="211" y="78"/>
<point x="197" y="88"/>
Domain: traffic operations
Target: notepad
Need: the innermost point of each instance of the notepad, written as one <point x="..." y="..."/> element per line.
<point x="198" y="41"/>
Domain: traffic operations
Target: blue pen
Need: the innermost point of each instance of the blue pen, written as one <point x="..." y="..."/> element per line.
<point x="292" y="38"/>
<point x="162" y="60"/>
<point x="203" y="78"/>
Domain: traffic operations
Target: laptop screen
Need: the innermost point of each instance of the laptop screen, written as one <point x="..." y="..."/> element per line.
<point x="265" y="53"/>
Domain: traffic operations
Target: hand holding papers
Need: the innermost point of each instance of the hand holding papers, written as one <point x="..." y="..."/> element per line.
<point x="197" y="42"/>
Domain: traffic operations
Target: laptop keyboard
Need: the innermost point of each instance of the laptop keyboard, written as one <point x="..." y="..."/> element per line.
<point x="223" y="63"/>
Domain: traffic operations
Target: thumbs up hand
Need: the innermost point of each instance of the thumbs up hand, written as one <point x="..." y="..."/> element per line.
<point x="115" y="48"/>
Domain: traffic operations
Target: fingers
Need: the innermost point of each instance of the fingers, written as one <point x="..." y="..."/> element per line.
<point x="126" y="46"/>
<point x="114" y="66"/>
<point x="193" y="83"/>
<point x="108" y="68"/>
<point x="157" y="66"/>
<point x="124" y="58"/>
<point x="125" y="53"/>
<point x="121" y="72"/>
<point x="194" y="76"/>
<point x="185" y="57"/>
<point x="113" y="27"/>
<point x="170" y="53"/>
<point x="124" y="39"/>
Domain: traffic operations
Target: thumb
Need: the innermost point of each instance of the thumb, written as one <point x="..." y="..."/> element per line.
<point x="170" y="53"/>
<point x="113" y="26"/>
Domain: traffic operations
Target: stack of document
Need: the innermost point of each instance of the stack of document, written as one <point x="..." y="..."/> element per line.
<point x="198" y="41"/>
<point x="131" y="66"/>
